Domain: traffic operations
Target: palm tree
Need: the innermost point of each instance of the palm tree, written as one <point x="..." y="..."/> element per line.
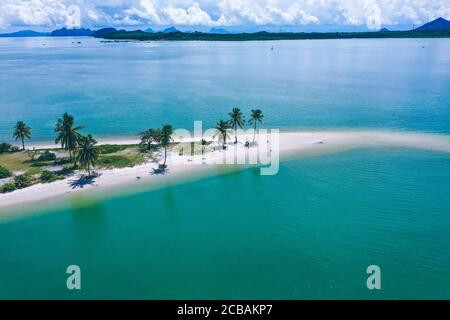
<point x="22" y="131"/>
<point x="87" y="153"/>
<point x="255" y="117"/>
<point x="149" y="136"/>
<point x="68" y="136"/>
<point x="164" y="139"/>
<point x="237" y="120"/>
<point x="222" y="127"/>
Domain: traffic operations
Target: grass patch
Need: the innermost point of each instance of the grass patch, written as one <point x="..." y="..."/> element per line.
<point x="120" y="160"/>
<point x="190" y="148"/>
<point x="39" y="164"/>
<point x="112" y="148"/>
<point x="16" y="161"/>
<point x="35" y="171"/>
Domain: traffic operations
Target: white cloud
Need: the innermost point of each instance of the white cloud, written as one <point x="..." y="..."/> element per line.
<point x="95" y="13"/>
<point x="193" y="15"/>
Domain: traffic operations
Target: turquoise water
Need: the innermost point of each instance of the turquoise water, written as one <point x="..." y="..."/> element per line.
<point x="121" y="89"/>
<point x="309" y="232"/>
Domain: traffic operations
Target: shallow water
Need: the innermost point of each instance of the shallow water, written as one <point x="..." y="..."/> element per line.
<point x="309" y="232"/>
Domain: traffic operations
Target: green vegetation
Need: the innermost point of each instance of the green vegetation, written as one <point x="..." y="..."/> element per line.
<point x="237" y="120"/>
<point x="34" y="166"/>
<point x="32" y="154"/>
<point x="164" y="139"/>
<point x="148" y="138"/>
<point x="22" y="181"/>
<point x="48" y="176"/>
<point x="196" y="148"/>
<point x="68" y="135"/>
<point x="111" y="148"/>
<point x="47" y="155"/>
<point x="261" y="36"/>
<point x="120" y="160"/>
<point x="255" y="117"/>
<point x="221" y="128"/>
<point x="7" y="148"/>
<point x="17" y="161"/>
<point x="22" y="131"/>
<point x="38" y="170"/>
<point x="87" y="153"/>
<point x="4" y="173"/>
<point x="8" y="187"/>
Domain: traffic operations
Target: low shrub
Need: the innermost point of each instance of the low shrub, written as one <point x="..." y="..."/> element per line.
<point x="5" y="147"/>
<point x="22" y="181"/>
<point x="4" y="173"/>
<point x="48" y="176"/>
<point x="8" y="187"/>
<point x="47" y="156"/>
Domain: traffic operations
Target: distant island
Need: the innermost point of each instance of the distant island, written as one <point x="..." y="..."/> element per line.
<point x="75" y="32"/>
<point x="435" y="25"/>
<point x="25" y="33"/>
<point x="439" y="28"/>
<point x="263" y="35"/>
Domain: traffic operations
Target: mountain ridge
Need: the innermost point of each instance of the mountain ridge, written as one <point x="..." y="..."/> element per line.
<point x="439" y="24"/>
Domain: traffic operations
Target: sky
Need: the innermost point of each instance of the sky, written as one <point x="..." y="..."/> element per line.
<point x="229" y="14"/>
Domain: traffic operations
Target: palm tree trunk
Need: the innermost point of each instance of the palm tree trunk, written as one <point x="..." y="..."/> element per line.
<point x="165" y="155"/>
<point x="73" y="157"/>
<point x="23" y="143"/>
<point x="254" y="133"/>
<point x="89" y="170"/>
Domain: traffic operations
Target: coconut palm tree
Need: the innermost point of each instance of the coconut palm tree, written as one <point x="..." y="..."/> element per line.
<point x="149" y="136"/>
<point x="87" y="153"/>
<point x="222" y="127"/>
<point x="68" y="135"/>
<point x="255" y="117"/>
<point x="164" y="139"/>
<point x="22" y="131"/>
<point x="237" y="120"/>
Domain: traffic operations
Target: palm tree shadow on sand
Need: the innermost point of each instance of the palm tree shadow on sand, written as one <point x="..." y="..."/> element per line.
<point x="82" y="181"/>
<point x="159" y="171"/>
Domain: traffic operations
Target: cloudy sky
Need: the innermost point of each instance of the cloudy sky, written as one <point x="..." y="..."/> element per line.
<point x="307" y="14"/>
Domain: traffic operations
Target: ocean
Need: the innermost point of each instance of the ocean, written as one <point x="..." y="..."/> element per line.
<point x="309" y="232"/>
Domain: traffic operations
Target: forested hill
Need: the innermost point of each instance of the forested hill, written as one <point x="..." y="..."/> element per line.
<point x="200" y="36"/>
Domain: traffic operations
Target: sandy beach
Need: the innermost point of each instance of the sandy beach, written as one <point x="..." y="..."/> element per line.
<point x="291" y="144"/>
